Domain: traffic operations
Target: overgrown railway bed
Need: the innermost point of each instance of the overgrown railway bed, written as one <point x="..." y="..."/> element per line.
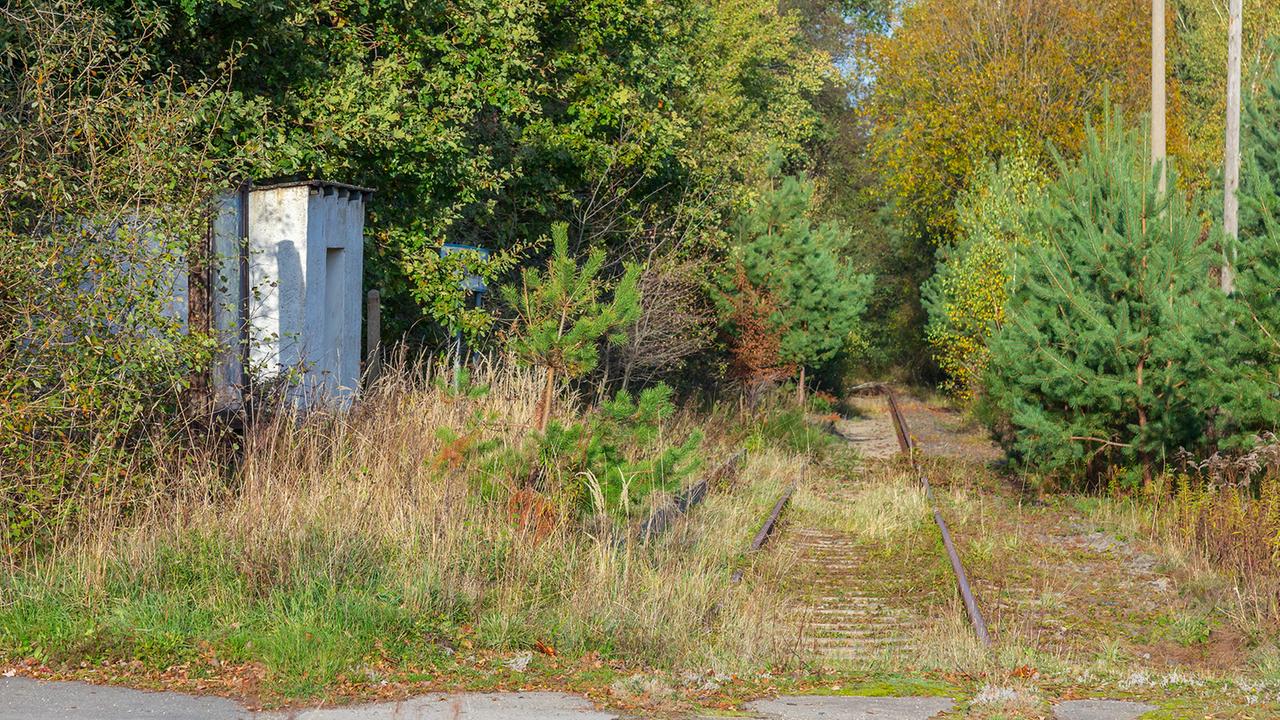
<point x="1078" y="606"/>
<point x="845" y="612"/>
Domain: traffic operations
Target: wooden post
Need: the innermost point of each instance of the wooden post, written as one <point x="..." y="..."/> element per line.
<point x="800" y="389"/>
<point x="373" y="337"/>
<point x="1158" y="131"/>
<point x="1231" y="170"/>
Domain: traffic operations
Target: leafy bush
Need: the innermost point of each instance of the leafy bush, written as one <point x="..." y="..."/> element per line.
<point x="484" y="121"/>
<point x="967" y="294"/>
<point x="438" y="285"/>
<point x="1113" y="353"/>
<point x="104" y="177"/>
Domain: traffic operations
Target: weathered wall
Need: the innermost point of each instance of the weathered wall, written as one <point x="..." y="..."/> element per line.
<point x="225" y="377"/>
<point x="306" y="263"/>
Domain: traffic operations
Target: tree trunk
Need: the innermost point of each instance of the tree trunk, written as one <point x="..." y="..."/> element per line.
<point x="1143" y="456"/>
<point x="800" y="389"/>
<point x="544" y="403"/>
<point x="626" y="374"/>
<point x="602" y="390"/>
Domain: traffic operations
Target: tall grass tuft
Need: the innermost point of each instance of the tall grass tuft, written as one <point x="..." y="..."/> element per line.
<point x="388" y="538"/>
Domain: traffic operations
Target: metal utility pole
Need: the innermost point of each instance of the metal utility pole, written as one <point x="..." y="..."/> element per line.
<point x="1231" y="170"/>
<point x="1158" y="92"/>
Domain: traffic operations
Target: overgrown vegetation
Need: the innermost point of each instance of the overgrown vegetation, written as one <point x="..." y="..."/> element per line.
<point x="635" y="134"/>
<point x="103" y="166"/>
<point x="689" y="205"/>
<point x="967" y="295"/>
<point x="1113" y="353"/>
<point x="562" y="320"/>
<point x="401" y="538"/>
<point x="790" y="301"/>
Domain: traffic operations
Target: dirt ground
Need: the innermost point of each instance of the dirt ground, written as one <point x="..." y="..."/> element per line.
<point x="939" y="431"/>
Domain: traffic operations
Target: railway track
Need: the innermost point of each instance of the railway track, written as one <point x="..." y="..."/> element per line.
<point x="844" y="615"/>
<point x="908" y="446"/>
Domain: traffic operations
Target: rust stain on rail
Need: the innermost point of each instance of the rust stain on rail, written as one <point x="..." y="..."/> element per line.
<point x="908" y="445"/>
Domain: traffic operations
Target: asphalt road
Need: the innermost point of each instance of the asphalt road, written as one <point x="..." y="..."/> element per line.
<point x="26" y="699"/>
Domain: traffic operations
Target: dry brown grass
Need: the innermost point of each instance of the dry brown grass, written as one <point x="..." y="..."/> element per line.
<point x="404" y="505"/>
<point x="1219" y="543"/>
<point x="880" y="505"/>
<point x="1083" y="595"/>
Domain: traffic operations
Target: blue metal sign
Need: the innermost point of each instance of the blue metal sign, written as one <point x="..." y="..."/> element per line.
<point x="473" y="283"/>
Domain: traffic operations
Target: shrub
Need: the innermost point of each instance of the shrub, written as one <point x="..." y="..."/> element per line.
<point x="967" y="294"/>
<point x="676" y="321"/>
<point x="619" y="454"/>
<point x="1236" y="528"/>
<point x="1113" y="352"/>
<point x="104" y="176"/>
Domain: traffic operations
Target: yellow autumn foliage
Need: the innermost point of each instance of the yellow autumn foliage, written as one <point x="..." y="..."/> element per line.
<point x="960" y="83"/>
<point x="966" y="296"/>
<point x="1198" y="58"/>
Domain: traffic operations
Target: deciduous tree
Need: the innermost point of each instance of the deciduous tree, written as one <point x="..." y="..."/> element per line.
<point x="1198" y="63"/>
<point x="959" y="83"/>
<point x="967" y="294"/>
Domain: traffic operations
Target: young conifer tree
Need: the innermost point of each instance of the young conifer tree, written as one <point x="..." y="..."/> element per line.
<point x="562" y="317"/>
<point x="818" y="299"/>
<point x="1257" y="289"/>
<point x="1112" y="356"/>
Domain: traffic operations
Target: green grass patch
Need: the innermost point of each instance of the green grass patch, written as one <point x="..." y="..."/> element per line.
<point x="1187" y="629"/>
<point x="790" y="430"/>
<point x="190" y="604"/>
<point x="893" y="686"/>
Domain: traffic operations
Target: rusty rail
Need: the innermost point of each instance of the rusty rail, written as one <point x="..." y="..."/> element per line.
<point x="663" y="518"/>
<point x="909" y="448"/>
<point x="766" y="530"/>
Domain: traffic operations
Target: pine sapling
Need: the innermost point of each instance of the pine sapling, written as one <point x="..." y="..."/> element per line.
<point x="562" y="317"/>
<point x="815" y="298"/>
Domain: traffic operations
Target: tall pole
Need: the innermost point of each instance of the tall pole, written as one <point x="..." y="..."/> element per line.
<point x="1231" y="170"/>
<point x="1158" y="149"/>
